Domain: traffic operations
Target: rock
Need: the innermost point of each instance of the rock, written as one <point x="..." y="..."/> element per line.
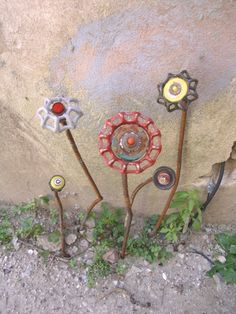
<point x="111" y="256"/>
<point x="89" y="255"/>
<point x="181" y="255"/>
<point x="89" y="235"/>
<point x="164" y="276"/>
<point x="217" y="281"/>
<point x="118" y="284"/>
<point x="83" y="245"/>
<point x="72" y="250"/>
<point x="221" y="259"/>
<point x="43" y="242"/>
<point x="15" y="243"/>
<point x="170" y="248"/>
<point x="133" y="271"/>
<point x="90" y="223"/>
<point x="71" y="238"/>
<point x="32" y="252"/>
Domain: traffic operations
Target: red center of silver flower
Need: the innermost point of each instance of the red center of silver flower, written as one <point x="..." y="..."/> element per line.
<point x="58" y="108"/>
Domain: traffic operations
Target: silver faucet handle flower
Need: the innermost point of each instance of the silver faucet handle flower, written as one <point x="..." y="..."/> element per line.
<point x="57" y="110"/>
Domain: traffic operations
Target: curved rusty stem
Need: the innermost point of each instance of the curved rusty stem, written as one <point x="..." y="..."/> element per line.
<point x="129" y="216"/>
<point x="61" y="219"/>
<point x="178" y="171"/>
<point x="87" y="173"/>
<point x="138" y="188"/>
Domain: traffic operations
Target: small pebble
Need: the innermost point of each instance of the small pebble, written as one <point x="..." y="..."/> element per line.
<point x="71" y="238"/>
<point x="164" y="276"/>
<point x="221" y="259"/>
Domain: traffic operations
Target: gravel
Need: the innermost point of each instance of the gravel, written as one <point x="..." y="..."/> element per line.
<point x="28" y="285"/>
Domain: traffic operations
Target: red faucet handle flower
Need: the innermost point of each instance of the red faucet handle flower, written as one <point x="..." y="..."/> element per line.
<point x="130" y="142"/>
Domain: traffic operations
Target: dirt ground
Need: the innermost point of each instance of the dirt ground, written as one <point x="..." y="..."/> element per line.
<point x="29" y="285"/>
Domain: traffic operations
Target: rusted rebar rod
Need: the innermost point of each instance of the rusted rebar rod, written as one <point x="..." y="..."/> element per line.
<point x="129" y="216"/>
<point x="87" y="173"/>
<point x="61" y="220"/>
<point x="138" y="188"/>
<point x="178" y="171"/>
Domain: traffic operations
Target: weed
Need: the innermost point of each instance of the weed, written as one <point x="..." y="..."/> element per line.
<point x="120" y="268"/>
<point x="28" y="228"/>
<point x="6" y="232"/>
<point x="189" y="204"/>
<point x="54" y="236"/>
<point x="98" y="269"/>
<point x="109" y="226"/>
<point x="53" y="213"/>
<point x="72" y="263"/>
<point x="45" y="255"/>
<point x="32" y="205"/>
<point x="146" y="247"/>
<point x="109" y="233"/>
<point x="227" y="269"/>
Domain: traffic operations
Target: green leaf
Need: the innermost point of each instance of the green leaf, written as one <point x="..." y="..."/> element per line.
<point x="229" y="275"/>
<point x="225" y="240"/>
<point x="232" y="249"/>
<point x="44" y="199"/>
<point x="72" y="263"/>
<point x="196" y="225"/>
<point x="54" y="236"/>
<point x="171" y="218"/>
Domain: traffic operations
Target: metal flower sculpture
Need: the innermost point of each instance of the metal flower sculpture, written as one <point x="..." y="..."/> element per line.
<point x="58" y="114"/>
<point x="57" y="183"/>
<point x="164" y="178"/>
<point x="130" y="143"/>
<point x="177" y="91"/>
<point x="57" y="110"/>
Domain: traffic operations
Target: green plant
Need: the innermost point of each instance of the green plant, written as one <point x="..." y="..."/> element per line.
<point x="148" y="248"/>
<point x="53" y="213"/>
<point x="98" y="269"/>
<point x="29" y="228"/>
<point x="72" y="263"/>
<point x="189" y="206"/>
<point x="109" y="225"/>
<point x="32" y="205"/>
<point x="109" y="233"/>
<point x="54" y="236"/>
<point x="45" y="255"/>
<point x="6" y="231"/>
<point x="120" y="268"/>
<point x="227" y="269"/>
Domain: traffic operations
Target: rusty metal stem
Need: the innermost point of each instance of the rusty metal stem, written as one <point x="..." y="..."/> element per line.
<point x="87" y="173"/>
<point x="61" y="219"/>
<point x="138" y="188"/>
<point x="129" y="216"/>
<point x="178" y="171"/>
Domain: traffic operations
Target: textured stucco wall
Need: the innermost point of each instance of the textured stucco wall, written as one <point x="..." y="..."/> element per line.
<point x="111" y="55"/>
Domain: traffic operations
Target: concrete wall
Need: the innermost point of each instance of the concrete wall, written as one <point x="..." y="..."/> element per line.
<point x="111" y="55"/>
